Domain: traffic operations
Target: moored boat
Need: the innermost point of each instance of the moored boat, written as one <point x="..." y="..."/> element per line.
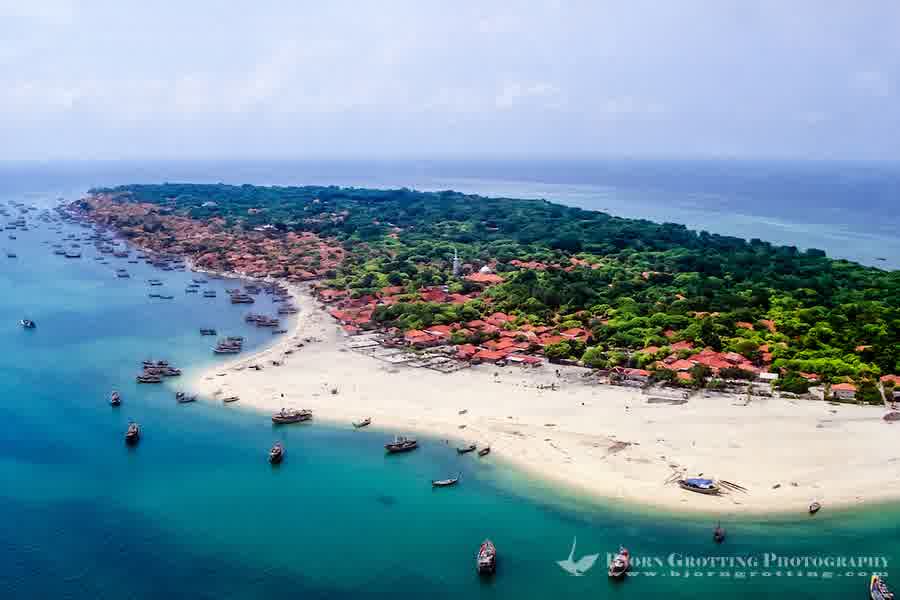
<point x="276" y="454"/>
<point x="401" y="444"/>
<point x="878" y="589"/>
<point x="183" y="398"/>
<point x="364" y="423"/>
<point x="207" y="331"/>
<point x="719" y="534"/>
<point x="115" y="399"/>
<point x="133" y="434"/>
<point x="466" y="449"/>
<point x="620" y="564"/>
<point x="291" y="415"/>
<point x="701" y="486"/>
<point x="484" y="451"/>
<point x="486" y="559"/>
<point x="28" y="324"/>
<point x="446" y="482"/>
<point x="148" y="379"/>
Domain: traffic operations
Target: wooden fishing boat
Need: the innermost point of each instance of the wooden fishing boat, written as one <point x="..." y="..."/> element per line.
<point x="719" y="534"/>
<point x="486" y="559"/>
<point x="230" y="399"/>
<point x="401" y="444"/>
<point x="133" y="434"/>
<point x="364" y="423"/>
<point x="445" y="482"/>
<point x="814" y="507"/>
<point x="466" y="449"/>
<point x="484" y="451"/>
<point x="620" y="564"/>
<point x="115" y="399"/>
<point x="291" y="415"/>
<point x="276" y="454"/>
<point x="701" y="486"/>
<point x="878" y="589"/>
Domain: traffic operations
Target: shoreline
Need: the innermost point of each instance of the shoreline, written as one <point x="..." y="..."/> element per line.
<point x="605" y="442"/>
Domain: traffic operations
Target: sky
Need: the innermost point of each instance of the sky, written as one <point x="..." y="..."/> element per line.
<point x="97" y="79"/>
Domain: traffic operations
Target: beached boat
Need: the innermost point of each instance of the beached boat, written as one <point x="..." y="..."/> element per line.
<point x="401" y="444"/>
<point x="230" y="399"/>
<point x="276" y="454"/>
<point x="445" y="482"/>
<point x="620" y="564"/>
<point x="291" y="415"/>
<point x="364" y="423"/>
<point x="701" y="486"/>
<point x="814" y="507"/>
<point x="484" y="451"/>
<point x="486" y="559"/>
<point x="28" y="324"/>
<point x="115" y="399"/>
<point x="133" y="434"/>
<point x="719" y="534"/>
<point x="878" y="589"/>
<point x="466" y="449"/>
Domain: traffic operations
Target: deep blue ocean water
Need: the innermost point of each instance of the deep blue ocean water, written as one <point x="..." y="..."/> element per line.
<point x="195" y="511"/>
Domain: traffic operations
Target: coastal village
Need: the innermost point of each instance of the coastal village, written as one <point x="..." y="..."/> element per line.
<point x="495" y="337"/>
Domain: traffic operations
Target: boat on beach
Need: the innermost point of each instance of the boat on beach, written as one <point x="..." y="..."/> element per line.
<point x="701" y="486"/>
<point x="276" y="454"/>
<point x="364" y="423"/>
<point x="291" y="415"/>
<point x="133" y="433"/>
<point x="486" y="559"/>
<point x="401" y="444"/>
<point x="446" y="482"/>
<point x="115" y="399"/>
<point x="620" y="564"/>
<point x="230" y="399"/>
<point x="878" y="589"/>
<point x="466" y="449"/>
<point x="814" y="507"/>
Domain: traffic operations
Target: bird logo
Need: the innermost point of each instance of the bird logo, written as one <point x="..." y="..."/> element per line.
<point x="579" y="567"/>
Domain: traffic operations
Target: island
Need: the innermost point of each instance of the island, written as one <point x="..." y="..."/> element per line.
<point x="749" y="341"/>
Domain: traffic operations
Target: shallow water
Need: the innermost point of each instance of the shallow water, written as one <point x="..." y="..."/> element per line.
<point x="195" y="511"/>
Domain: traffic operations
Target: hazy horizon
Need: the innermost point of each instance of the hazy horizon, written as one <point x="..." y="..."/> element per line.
<point x="102" y="80"/>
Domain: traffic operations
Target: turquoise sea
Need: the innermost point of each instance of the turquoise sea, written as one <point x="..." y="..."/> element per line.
<point x="194" y="511"/>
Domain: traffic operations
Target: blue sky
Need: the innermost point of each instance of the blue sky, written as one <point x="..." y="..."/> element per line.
<point x="231" y="79"/>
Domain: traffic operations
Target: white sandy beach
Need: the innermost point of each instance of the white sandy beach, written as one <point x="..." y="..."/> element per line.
<point x="603" y="440"/>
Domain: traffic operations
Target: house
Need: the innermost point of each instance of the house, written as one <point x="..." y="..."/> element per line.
<point x="844" y="391"/>
<point x="490" y="355"/>
<point x="484" y="278"/>
<point x="420" y="339"/>
<point x="633" y="375"/>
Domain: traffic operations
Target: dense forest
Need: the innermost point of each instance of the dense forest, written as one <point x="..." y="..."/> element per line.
<point x="631" y="283"/>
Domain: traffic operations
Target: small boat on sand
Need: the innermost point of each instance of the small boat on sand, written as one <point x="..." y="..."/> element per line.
<point x="276" y="454"/>
<point x="466" y="449"/>
<point x="291" y="415"/>
<point x="701" y="486"/>
<point x="719" y="534"/>
<point x="486" y="559"/>
<point x="115" y="399"/>
<point x="878" y="589"/>
<point x="445" y="482"/>
<point x="133" y="434"/>
<point x="401" y="444"/>
<point x="620" y="564"/>
<point x="364" y="423"/>
<point x="814" y="507"/>
<point x="28" y="324"/>
<point x="484" y="451"/>
<point x="230" y="399"/>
